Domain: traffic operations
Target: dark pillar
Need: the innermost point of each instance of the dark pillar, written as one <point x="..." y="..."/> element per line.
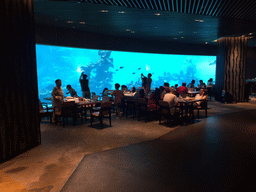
<point x="19" y="125"/>
<point x="230" y="67"/>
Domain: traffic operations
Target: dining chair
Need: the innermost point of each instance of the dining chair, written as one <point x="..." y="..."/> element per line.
<point x="166" y="112"/>
<point x="143" y="110"/>
<point x="203" y="106"/>
<point x="45" y="112"/>
<point x="68" y="109"/>
<point x="103" y="112"/>
<point x="130" y="106"/>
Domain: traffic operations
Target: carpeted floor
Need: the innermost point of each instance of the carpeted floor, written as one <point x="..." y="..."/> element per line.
<point x="48" y="166"/>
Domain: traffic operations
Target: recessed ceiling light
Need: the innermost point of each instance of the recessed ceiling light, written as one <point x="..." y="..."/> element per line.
<point x="157" y="13"/>
<point x="201" y="21"/>
<point x="250" y="33"/>
<point x="132" y="31"/>
<point x="103" y="11"/>
<point x="215" y="40"/>
<point x="70" y="21"/>
<point x="206" y="42"/>
<point x="182" y="37"/>
<point x="121" y="12"/>
<point x="128" y="30"/>
<point x="196" y="20"/>
<point x="82" y="22"/>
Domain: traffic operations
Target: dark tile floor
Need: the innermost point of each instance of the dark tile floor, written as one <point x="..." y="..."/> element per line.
<point x="216" y="154"/>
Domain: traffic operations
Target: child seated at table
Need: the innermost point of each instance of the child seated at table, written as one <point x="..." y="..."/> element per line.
<point x="201" y="96"/>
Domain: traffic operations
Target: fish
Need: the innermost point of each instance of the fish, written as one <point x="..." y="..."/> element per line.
<point x="213" y="63"/>
<point x="117" y="70"/>
<point x="139" y="69"/>
<point x="121" y="67"/>
<point x="133" y="73"/>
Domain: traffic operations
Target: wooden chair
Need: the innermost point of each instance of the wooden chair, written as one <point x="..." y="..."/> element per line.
<point x="142" y="107"/>
<point x="45" y="112"/>
<point x="103" y="112"/>
<point x="166" y="112"/>
<point x="130" y="106"/>
<point x="203" y="106"/>
<point x="68" y="109"/>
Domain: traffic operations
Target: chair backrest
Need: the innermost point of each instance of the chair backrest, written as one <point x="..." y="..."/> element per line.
<point x="129" y="98"/>
<point x="95" y="97"/>
<point x="68" y="107"/>
<point x="164" y="107"/>
<point x="105" y="99"/>
<point x="105" y="108"/>
<point x="142" y="103"/>
<point x="183" y="95"/>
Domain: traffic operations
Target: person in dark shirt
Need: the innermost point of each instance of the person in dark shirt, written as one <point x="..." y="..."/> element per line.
<point x="192" y="84"/>
<point x="71" y="91"/>
<point x="85" y="86"/>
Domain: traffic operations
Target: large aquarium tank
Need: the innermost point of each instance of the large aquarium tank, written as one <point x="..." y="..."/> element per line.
<point x="104" y="68"/>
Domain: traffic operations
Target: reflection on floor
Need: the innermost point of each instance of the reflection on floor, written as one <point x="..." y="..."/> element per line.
<point x="48" y="166"/>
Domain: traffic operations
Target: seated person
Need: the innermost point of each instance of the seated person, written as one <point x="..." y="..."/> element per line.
<point x="133" y="90"/>
<point x="124" y="88"/>
<point x="166" y="87"/>
<point x="139" y="94"/>
<point x="171" y="98"/>
<point x="209" y="83"/>
<point x="201" y="84"/>
<point x="201" y="96"/>
<point x="175" y="86"/>
<point x="192" y="84"/>
<point x="153" y="100"/>
<point x="71" y="91"/>
<point x="162" y="92"/>
<point x="105" y="92"/>
<point x="118" y="98"/>
<point x="182" y="89"/>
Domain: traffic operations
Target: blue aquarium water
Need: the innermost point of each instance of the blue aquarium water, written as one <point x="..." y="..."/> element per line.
<point x="105" y="68"/>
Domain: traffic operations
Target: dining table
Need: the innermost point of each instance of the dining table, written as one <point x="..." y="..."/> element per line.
<point x="83" y="106"/>
<point x="185" y="105"/>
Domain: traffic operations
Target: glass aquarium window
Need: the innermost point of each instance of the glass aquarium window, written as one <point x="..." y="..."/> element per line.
<point x="104" y="68"/>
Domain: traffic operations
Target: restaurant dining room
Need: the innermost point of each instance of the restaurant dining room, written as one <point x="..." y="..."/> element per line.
<point x="128" y="95"/>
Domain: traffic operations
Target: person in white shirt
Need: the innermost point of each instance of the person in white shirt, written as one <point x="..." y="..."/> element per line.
<point x="201" y="96"/>
<point x="171" y="98"/>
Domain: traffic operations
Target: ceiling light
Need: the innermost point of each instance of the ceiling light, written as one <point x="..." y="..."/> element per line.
<point x="250" y="33"/>
<point x="206" y="42"/>
<point x="121" y="12"/>
<point x="157" y="13"/>
<point x="70" y="21"/>
<point x="215" y="40"/>
<point x="128" y="30"/>
<point x="182" y="37"/>
<point x="103" y="11"/>
<point x="201" y="21"/>
<point x="132" y="31"/>
<point x="82" y="22"/>
<point x="181" y="32"/>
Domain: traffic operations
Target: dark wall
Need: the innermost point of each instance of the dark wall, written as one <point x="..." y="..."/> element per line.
<point x="250" y="70"/>
<point x="19" y="125"/>
<point x="74" y="38"/>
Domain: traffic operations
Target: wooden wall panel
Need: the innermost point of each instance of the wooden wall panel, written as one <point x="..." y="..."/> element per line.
<point x="230" y="66"/>
<point x="19" y="125"/>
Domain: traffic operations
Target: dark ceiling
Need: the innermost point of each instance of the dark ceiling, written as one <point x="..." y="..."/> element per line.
<point x="188" y="21"/>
